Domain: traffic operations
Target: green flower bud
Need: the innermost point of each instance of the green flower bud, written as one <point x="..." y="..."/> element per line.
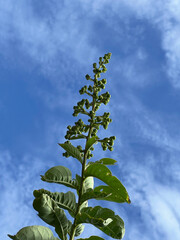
<point x="90" y="88"/>
<point x="110" y="148"/>
<point x="88" y="77"/>
<point x="104" y="81"/>
<point x="94" y="65"/>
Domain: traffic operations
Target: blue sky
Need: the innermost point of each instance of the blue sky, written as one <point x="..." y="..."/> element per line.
<point x="47" y="47"/>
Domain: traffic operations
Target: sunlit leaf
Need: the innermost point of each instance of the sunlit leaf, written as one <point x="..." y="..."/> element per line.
<point x="91" y="238"/>
<point x="80" y="136"/>
<point x="73" y="151"/>
<point x="83" y="205"/>
<point x="64" y="200"/>
<point x="112" y="194"/>
<point x="91" y="194"/>
<point x="104" y="219"/>
<point x="79" y="229"/>
<point x="88" y="184"/>
<point x="101" y="172"/>
<point x="34" y="233"/>
<point x="60" y="175"/>
<point x="107" y="161"/>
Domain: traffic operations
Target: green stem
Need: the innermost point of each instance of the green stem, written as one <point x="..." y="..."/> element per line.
<point x="83" y="169"/>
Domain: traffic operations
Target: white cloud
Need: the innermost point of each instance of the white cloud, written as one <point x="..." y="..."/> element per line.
<point x="48" y="38"/>
<point x="158" y="205"/>
<point x="62" y="32"/>
<point x="164" y="16"/>
<point x="165" y="205"/>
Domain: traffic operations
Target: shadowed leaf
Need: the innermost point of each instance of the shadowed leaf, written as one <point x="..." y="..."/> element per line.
<point x="73" y="151"/>
<point x="60" y="175"/>
<point x="49" y="212"/>
<point x="90" y="142"/>
<point x="64" y="200"/>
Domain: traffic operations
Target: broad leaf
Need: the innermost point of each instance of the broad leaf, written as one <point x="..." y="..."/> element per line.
<point x="92" y="194"/>
<point x="64" y="200"/>
<point x="104" y="219"/>
<point x="101" y="172"/>
<point x="44" y="205"/>
<point x="73" y="151"/>
<point x="90" y="142"/>
<point x="79" y="230"/>
<point x="60" y="175"/>
<point x="63" y="225"/>
<point x="91" y="238"/>
<point x="107" y="161"/>
<point x="34" y="233"/>
<point x="112" y="194"/>
<point x="49" y="212"/>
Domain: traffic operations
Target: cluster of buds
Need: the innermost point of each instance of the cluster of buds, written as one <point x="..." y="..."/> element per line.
<point x="104" y="98"/>
<point x="80" y="129"/>
<point x="80" y="107"/>
<point x="103" y="120"/>
<point x="89" y="154"/>
<point x="75" y="130"/>
<point x="107" y="143"/>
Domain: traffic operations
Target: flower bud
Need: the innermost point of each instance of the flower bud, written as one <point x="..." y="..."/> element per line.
<point x="94" y="65"/>
<point x="88" y="77"/>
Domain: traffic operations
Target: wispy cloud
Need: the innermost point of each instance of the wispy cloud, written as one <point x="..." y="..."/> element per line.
<point x="60" y="33"/>
<point x="164" y="16"/>
<point x="157" y="205"/>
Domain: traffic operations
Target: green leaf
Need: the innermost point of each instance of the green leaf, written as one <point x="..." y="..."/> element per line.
<point x="111" y="194"/>
<point x="80" y="136"/>
<point x="63" y="225"/>
<point x="44" y="205"/>
<point x="79" y="230"/>
<point x="60" y="175"/>
<point x="64" y="200"/>
<point x="91" y="238"/>
<point x="49" y="212"/>
<point x="104" y="174"/>
<point x="34" y="233"/>
<point x="88" y="184"/>
<point x="104" y="219"/>
<point x="107" y="161"/>
<point x="83" y="205"/>
<point x="92" y="194"/>
<point x="73" y="151"/>
<point x="90" y="142"/>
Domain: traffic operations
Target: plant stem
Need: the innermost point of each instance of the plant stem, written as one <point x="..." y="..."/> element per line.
<point x="83" y="168"/>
